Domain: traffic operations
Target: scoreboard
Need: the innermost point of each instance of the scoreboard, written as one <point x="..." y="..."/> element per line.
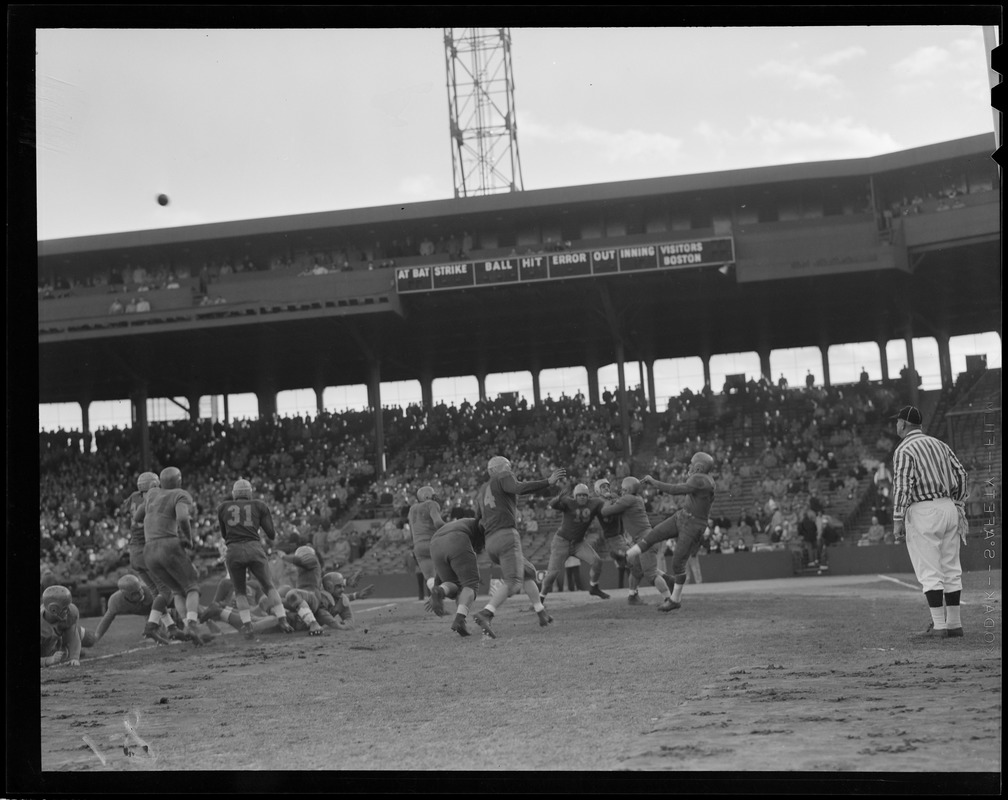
<point x="567" y="264"/>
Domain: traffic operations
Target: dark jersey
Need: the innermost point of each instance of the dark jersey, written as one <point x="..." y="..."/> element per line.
<point x="611" y="523"/>
<point x="469" y="526"/>
<point x="630" y="507"/>
<point x="497" y="500"/>
<point x="241" y="519"/>
<point x="576" y="517"/>
<point x="701" y="495"/>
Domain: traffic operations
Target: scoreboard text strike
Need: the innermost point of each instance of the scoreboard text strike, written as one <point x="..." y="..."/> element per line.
<point x="568" y="264"/>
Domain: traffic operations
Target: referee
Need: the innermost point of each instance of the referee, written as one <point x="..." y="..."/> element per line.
<point x="929" y="488"/>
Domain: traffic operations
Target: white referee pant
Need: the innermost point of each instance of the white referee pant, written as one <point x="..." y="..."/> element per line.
<point x="932" y="540"/>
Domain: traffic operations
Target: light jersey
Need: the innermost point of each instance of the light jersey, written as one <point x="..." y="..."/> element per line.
<point x="241" y="519"/>
<point x="134" y="503"/>
<point x="468" y="526"/>
<point x="421" y="521"/>
<point x="576" y="518"/>
<point x="338" y="608"/>
<point x="630" y="509"/>
<point x="51" y="633"/>
<point x="309" y="574"/>
<point x="160" y="516"/>
<point x="497" y="501"/>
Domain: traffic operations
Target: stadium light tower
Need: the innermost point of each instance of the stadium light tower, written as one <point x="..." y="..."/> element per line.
<point x="481" y="111"/>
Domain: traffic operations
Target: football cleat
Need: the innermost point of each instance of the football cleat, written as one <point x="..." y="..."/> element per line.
<point x="152" y="630"/>
<point x="634" y="599"/>
<point x="314" y="629"/>
<point x="284" y="625"/>
<point x="668" y="604"/>
<point x="595" y="591"/>
<point x="954" y="633"/>
<point x="211" y="611"/>
<point x="482" y="618"/>
<point x="459" y="626"/>
<point x="175" y="634"/>
<point x="544" y="618"/>
<point x="247" y="630"/>
<point x="436" y="600"/>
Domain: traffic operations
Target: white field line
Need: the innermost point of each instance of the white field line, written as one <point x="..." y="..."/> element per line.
<point x="376" y="608"/>
<point x="911" y="586"/>
<point x="124" y="652"/>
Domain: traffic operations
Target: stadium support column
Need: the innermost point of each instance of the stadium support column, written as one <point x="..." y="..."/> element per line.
<point x="374" y="400"/>
<point x="85" y="405"/>
<point x="764" y="362"/>
<point x="536" y="394"/>
<point x="319" y="401"/>
<point x="944" y="358"/>
<point x="591" y="368"/>
<point x="652" y="403"/>
<point x="824" y="352"/>
<point x="481" y="383"/>
<point x="427" y="389"/>
<point x="138" y="399"/>
<point x="624" y="417"/>
<point x="883" y="360"/>
<point x="911" y="367"/>
<point x="193" y="407"/>
<point x="267" y="400"/>
<point x="705" y="358"/>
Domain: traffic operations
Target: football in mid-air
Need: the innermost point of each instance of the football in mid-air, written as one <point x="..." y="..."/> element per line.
<point x="162" y="199"/>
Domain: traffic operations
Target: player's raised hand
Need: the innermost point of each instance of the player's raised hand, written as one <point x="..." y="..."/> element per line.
<point x="647" y="479"/>
<point x="556" y="475"/>
<point x="365" y="592"/>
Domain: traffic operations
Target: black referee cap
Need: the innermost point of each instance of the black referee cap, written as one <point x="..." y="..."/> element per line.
<point x="911" y="414"/>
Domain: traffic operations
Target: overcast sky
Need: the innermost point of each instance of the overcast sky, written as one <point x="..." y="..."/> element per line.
<point x="241" y="124"/>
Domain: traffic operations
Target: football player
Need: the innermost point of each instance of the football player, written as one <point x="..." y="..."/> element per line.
<point x="263" y="615"/>
<point x="241" y="518"/>
<point x="453" y="549"/>
<point x="167" y="534"/>
<point x="686" y="525"/>
<point x="578" y="512"/>
<point x="134" y="597"/>
<point x="497" y="506"/>
<point x="160" y="591"/>
<point x="61" y="636"/>
<point x="425" y="518"/>
<point x="336" y="602"/>
<point x="629" y="507"/>
<point x="616" y="541"/>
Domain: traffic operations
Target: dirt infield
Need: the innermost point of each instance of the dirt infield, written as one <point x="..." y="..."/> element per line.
<point x="806" y="674"/>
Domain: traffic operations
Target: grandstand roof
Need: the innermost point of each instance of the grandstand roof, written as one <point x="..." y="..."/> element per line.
<point x="516" y="201"/>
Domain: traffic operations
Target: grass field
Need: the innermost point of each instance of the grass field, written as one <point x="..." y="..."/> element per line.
<point x="799" y="675"/>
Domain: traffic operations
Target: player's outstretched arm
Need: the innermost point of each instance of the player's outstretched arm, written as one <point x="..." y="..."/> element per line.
<point x="668" y="488"/>
<point x="53" y="660"/>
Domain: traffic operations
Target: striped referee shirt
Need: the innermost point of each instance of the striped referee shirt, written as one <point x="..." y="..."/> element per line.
<point x="925" y="468"/>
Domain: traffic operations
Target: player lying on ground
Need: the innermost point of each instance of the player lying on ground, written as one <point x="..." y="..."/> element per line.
<point x="61" y="635"/>
<point x="686" y="525"/>
<point x="578" y="512"/>
<point x="134" y="597"/>
<point x="263" y="616"/>
<point x="453" y="549"/>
